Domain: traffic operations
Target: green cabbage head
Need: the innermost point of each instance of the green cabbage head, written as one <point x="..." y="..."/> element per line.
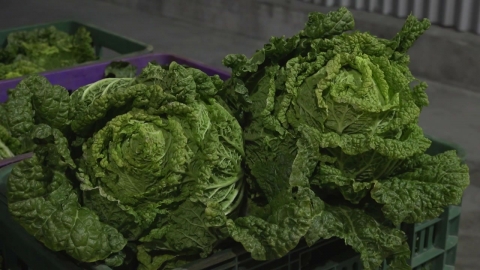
<point x="157" y="166"/>
<point x="161" y="157"/>
<point x="332" y="142"/>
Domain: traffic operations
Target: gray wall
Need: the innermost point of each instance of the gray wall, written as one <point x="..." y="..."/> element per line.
<point x="462" y="15"/>
<point x="442" y="54"/>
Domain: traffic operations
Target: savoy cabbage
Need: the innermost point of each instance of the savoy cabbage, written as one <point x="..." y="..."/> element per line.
<point x="332" y="142"/>
<point x="149" y="165"/>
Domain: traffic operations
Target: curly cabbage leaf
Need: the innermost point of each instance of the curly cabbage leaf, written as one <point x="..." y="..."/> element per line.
<point x="120" y="69"/>
<point x="342" y="222"/>
<point x="41" y="198"/>
<point x="413" y="195"/>
<point x="161" y="157"/>
<point x="18" y="68"/>
<point x="333" y="112"/>
<point x="150" y="165"/>
<point x="41" y="195"/>
<point x="34" y="101"/>
<point x="34" y="51"/>
<point x="9" y="145"/>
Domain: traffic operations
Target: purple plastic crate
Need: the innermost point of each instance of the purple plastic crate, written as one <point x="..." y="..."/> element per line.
<point x="79" y="76"/>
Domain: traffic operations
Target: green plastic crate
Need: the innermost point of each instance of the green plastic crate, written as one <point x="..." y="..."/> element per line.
<point x="102" y="39"/>
<point x="433" y="244"/>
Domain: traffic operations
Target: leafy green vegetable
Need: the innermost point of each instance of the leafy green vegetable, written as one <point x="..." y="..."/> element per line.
<point x="150" y="165"/>
<point x="177" y="154"/>
<point x="34" y="101"/>
<point x="120" y="69"/>
<point x="412" y="195"/>
<point x="165" y="66"/>
<point x="332" y="140"/>
<point x="8" y="144"/>
<point x="42" y="200"/>
<point x="18" y="68"/>
<point x="38" y="50"/>
<point x="37" y="120"/>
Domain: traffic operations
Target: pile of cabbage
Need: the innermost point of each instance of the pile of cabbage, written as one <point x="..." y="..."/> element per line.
<point x="315" y="136"/>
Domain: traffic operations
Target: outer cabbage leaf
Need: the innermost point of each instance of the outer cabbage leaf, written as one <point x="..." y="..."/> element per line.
<point x="50" y="102"/>
<point x="411" y="31"/>
<point x="282" y="173"/>
<point x="120" y="69"/>
<point x="423" y="188"/>
<point x="42" y="199"/>
<point x="190" y="229"/>
<point x="343" y="222"/>
<point x="165" y="261"/>
<point x="19" y="117"/>
<point x="9" y="145"/>
<point x="324" y="25"/>
<point x="35" y="101"/>
<point x="278" y="229"/>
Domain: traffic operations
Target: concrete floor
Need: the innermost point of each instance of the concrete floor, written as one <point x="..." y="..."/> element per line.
<point x="453" y="114"/>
